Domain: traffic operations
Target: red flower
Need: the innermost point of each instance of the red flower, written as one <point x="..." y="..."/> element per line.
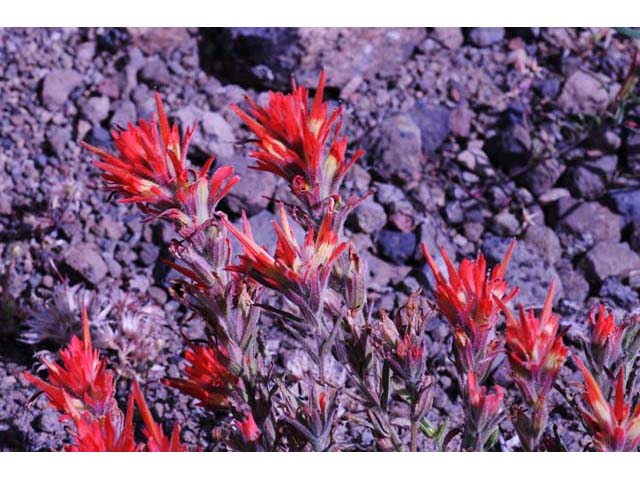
<point x="157" y="441"/>
<point x="301" y="270"/>
<point x="292" y="142"/>
<point x="208" y="377"/>
<point x="606" y="338"/>
<point x="82" y="383"/>
<point x="112" y="433"/>
<point x="612" y="426"/>
<point x="468" y="300"/>
<point x="536" y="351"/>
<point x="248" y="428"/>
<point x="150" y="170"/>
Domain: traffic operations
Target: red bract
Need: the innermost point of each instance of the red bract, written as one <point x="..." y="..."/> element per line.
<point x="157" y="441"/>
<point x="150" y="170"/>
<point x="468" y="300"/>
<point x="292" y="142"/>
<point x="612" y="426"/>
<point x="112" y="433"/>
<point x="536" y="355"/>
<point x="536" y="351"/>
<point x="248" y="428"/>
<point x="606" y="339"/>
<point x="298" y="271"/>
<point x="82" y="383"/>
<point x="208" y="377"/>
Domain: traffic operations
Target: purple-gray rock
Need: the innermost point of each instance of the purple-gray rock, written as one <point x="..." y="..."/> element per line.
<point x="610" y="259"/>
<point x="450" y="37"/>
<point x="433" y="122"/>
<point x="399" y="149"/>
<point x="96" y="109"/>
<point x="590" y="179"/>
<point x="57" y="86"/>
<point x="622" y="295"/>
<point x="398" y="247"/>
<point x="155" y="72"/>
<point x="86" y="260"/>
<point x="486" y="36"/>
<point x="543" y="240"/>
<point x="593" y="219"/>
<point x="370" y="216"/>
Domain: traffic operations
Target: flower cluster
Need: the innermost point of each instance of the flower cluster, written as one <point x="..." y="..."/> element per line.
<point x="83" y="390"/>
<point x="468" y="299"/>
<point x="209" y="378"/>
<point x="536" y="355"/>
<point x="613" y="426"/>
<point x="150" y="170"/>
<point x="300" y="272"/>
<point x="296" y="143"/>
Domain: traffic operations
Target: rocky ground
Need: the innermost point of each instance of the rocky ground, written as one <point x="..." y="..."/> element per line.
<point x="473" y="136"/>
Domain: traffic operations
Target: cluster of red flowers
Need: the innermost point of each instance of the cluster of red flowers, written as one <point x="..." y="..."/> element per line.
<point x="82" y="389"/>
<point x="293" y="142"/>
<point x="469" y="301"/>
<point x="150" y="170"/>
<point x="300" y="141"/>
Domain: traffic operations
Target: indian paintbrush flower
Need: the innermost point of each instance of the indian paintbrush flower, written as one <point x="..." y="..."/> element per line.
<point x="208" y="377"/>
<point x="613" y="427"/>
<point x="296" y="142"/>
<point x="468" y="301"/>
<point x="536" y="354"/>
<point x="81" y="382"/>
<point x="150" y="170"/>
<point x="300" y="272"/>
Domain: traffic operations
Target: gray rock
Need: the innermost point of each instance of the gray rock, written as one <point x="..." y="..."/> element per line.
<point x="253" y="192"/>
<point x="590" y="179"/>
<point x="585" y="92"/>
<point x="49" y="422"/>
<point x="575" y="287"/>
<point x="398" y="247"/>
<point x="58" y="138"/>
<point x="510" y="147"/>
<point x="370" y="216"/>
<point x="527" y="270"/>
<point x="153" y="40"/>
<point x="125" y="113"/>
<point x="622" y="295"/>
<point x="627" y="203"/>
<point x="86" y="260"/>
<point x="155" y="72"/>
<point x="486" y="36"/>
<point x="57" y="86"/>
<point x="593" y="219"/>
<point x="218" y="133"/>
<point x="505" y="224"/>
<point x="609" y="258"/>
<point x="542" y="177"/>
<point x="214" y="135"/>
<point x="450" y="37"/>
<point x="399" y="149"/>
<point x="543" y="240"/>
<point x="460" y="121"/>
<point x="433" y="121"/>
<point x="96" y="109"/>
